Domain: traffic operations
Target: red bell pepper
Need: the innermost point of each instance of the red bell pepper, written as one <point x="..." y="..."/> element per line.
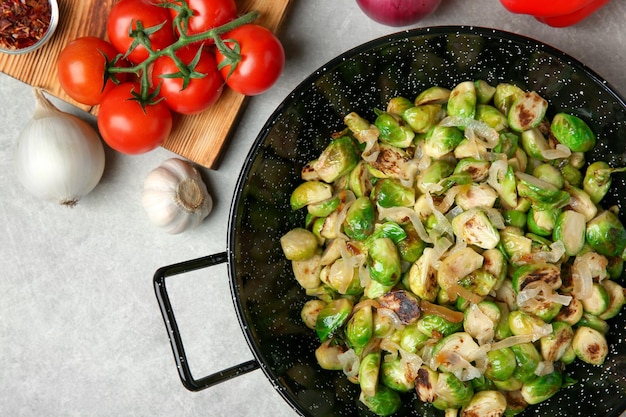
<point x="556" y="13"/>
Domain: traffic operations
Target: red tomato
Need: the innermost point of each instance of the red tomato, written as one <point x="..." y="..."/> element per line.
<point x="262" y="59"/>
<point x="207" y="14"/>
<point x="129" y="12"/>
<point x="81" y="69"/>
<point x="201" y="92"/>
<point x="129" y="127"/>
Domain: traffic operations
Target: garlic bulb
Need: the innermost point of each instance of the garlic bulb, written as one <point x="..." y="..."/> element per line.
<point x="59" y="157"/>
<point x="175" y="197"/>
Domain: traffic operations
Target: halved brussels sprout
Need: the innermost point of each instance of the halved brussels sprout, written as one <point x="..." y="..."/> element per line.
<point x="459" y="343"/>
<point x="554" y="346"/>
<point x="389" y="192"/>
<point x="572" y="132"/>
<point x="433" y="95"/>
<point x="404" y="304"/>
<point x="534" y="143"/>
<point x="597" y="302"/>
<point x="383" y="261"/>
<point x="307" y="271"/>
<point x="327" y="355"/>
<point x="360" y="219"/>
<point x="369" y="370"/>
<point x="571" y="313"/>
<point x="393" y="130"/>
<point x="475" y="195"/>
<point x="433" y="325"/>
<point x="422" y="278"/>
<point x="617" y="299"/>
<point x="581" y="202"/>
<point x="383" y="402"/>
<point x="505" y="95"/>
<point x="593" y="322"/>
<point x="310" y="311"/>
<point x="423" y="118"/>
<point x="390" y="163"/>
<point x="451" y="392"/>
<point x="298" y="244"/>
<point x="360" y="329"/>
<point x="431" y="176"/>
<point x="545" y="272"/>
<point x="339" y="158"/>
<point x="590" y="345"/>
<point x="491" y="116"/>
<point x="474" y="227"/>
<point x="441" y="140"/>
<point x="606" y="234"/>
<point x="397" y="375"/>
<point x="484" y="91"/>
<point x="550" y="174"/>
<point x="310" y="192"/>
<point x="456" y="266"/>
<point x="570" y="229"/>
<point x="462" y="100"/>
<point x="360" y="180"/>
<point x="527" y="111"/>
<point x="332" y="317"/>
<point x="477" y="168"/>
<point x="501" y="364"/>
<point x="541" y="194"/>
<point x="522" y="323"/>
<point x="398" y="105"/>
<point x="342" y="277"/>
<point x="426" y="384"/>
<point x="542" y="222"/>
<point x="481" y="319"/>
<point x="490" y="403"/>
<point x="412" y="339"/>
<point x="542" y="388"/>
<point x="527" y="357"/>
<point x="412" y="247"/>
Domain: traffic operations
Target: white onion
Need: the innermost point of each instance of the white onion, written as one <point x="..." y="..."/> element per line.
<point x="59" y="157"/>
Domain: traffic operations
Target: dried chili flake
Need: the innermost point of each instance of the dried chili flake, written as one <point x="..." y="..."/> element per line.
<point x="23" y="22"/>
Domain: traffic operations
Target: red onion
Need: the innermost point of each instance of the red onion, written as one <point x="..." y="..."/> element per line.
<point x="398" y="12"/>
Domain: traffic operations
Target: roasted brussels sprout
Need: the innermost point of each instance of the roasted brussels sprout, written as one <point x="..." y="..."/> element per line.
<point x="310" y="192"/>
<point x="393" y="130"/>
<point x="339" y="158"/>
<point x="383" y="402"/>
<point x="298" y="244"/>
<point x="527" y="111"/>
<point x="397" y="375"/>
<point x="555" y="345"/>
<point x="383" y="261"/>
<point x="485" y="404"/>
<point x="572" y="132"/>
<point x="605" y="233"/>
<point x="332" y="317"/>
<point x="462" y="100"/>
<point x="475" y="228"/>
<point x="590" y="345"/>
<point x="360" y="219"/>
<point x="360" y="328"/>
<point x="542" y="388"/>
<point x="369" y="370"/>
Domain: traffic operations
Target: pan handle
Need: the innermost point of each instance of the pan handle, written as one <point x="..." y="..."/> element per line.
<point x="176" y="341"/>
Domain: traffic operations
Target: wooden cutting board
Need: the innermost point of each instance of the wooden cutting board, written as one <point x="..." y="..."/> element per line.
<point x="199" y="138"/>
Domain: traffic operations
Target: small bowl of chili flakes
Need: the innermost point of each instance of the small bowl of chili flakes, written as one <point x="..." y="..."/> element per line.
<point x="25" y="25"/>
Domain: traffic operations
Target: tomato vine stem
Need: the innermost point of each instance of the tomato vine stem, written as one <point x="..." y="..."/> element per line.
<point x="141" y="38"/>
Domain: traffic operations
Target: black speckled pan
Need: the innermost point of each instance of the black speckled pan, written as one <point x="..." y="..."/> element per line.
<point x="267" y="298"/>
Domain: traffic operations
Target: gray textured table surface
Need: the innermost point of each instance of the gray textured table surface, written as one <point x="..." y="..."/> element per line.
<point x="80" y="330"/>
